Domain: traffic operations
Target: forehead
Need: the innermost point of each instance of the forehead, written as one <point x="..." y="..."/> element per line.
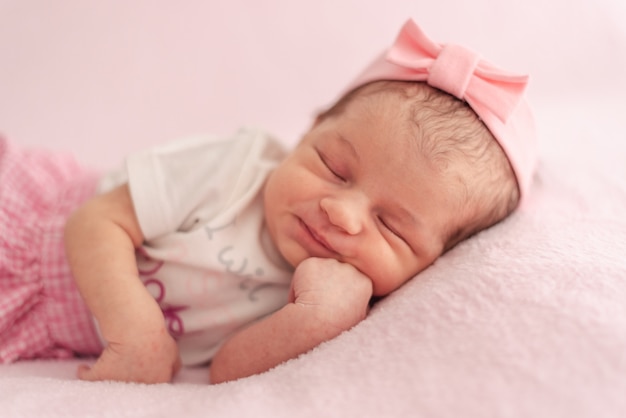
<point x="379" y="131"/>
<point x="377" y="135"/>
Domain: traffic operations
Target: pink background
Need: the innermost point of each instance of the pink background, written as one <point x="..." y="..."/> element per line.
<point x="102" y="78"/>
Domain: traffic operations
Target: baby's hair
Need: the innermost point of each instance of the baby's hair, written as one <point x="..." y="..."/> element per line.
<point x="447" y="128"/>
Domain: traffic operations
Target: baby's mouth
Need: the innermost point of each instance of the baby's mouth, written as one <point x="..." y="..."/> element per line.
<point x="317" y="237"/>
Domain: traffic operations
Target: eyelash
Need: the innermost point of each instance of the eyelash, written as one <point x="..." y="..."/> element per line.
<point x="390" y="229"/>
<point x="333" y="172"/>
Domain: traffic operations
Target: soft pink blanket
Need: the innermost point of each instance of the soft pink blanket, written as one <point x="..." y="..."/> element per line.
<point x="527" y="319"/>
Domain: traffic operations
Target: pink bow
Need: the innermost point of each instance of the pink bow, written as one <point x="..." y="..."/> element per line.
<point x="458" y="71"/>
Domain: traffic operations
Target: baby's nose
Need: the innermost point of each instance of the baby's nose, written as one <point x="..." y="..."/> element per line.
<point x="345" y="213"/>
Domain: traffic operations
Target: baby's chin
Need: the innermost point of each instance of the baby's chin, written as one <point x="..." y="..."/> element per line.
<point x="292" y="256"/>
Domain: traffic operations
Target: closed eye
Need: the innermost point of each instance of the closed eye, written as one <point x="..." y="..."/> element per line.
<point x="330" y="168"/>
<point x="391" y="229"/>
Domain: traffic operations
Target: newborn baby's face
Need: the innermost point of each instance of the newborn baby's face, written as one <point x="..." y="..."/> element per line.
<point x="358" y="190"/>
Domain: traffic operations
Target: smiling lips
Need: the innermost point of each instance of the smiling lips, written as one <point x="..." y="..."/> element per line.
<point x="317" y="237"/>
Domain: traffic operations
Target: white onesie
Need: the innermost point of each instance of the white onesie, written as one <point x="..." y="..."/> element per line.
<point x="207" y="257"/>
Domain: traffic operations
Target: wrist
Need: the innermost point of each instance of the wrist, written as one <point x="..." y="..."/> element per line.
<point x="132" y="320"/>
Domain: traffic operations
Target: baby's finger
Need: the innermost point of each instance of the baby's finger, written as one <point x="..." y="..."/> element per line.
<point x="177" y="366"/>
<point x="84" y="372"/>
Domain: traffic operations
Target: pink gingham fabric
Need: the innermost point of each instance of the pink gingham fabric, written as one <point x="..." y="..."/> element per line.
<point x="41" y="312"/>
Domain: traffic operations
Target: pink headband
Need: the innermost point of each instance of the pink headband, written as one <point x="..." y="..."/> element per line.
<point x="497" y="97"/>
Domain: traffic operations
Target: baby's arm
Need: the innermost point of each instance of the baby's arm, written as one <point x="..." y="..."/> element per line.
<point x="100" y="239"/>
<point x="327" y="297"/>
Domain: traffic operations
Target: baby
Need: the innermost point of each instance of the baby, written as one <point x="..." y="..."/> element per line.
<point x="237" y="253"/>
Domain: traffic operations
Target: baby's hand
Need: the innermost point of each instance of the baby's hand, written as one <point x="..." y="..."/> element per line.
<point x="151" y="358"/>
<point x="326" y="298"/>
<point x="339" y="292"/>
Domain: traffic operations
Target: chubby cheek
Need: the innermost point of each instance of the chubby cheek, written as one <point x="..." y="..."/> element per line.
<point x="388" y="271"/>
<point x="283" y="196"/>
<point x="279" y="190"/>
<point x="385" y="284"/>
<point x="287" y="180"/>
